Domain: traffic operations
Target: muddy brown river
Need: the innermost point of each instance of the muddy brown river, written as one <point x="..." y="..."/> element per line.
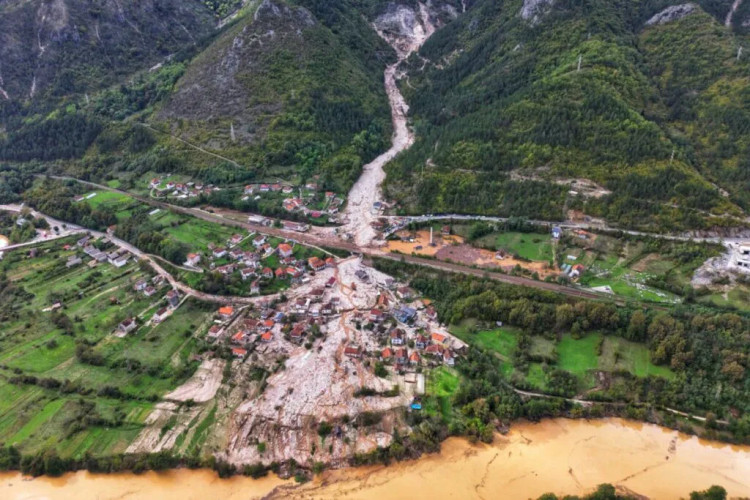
<point x="561" y="456"/>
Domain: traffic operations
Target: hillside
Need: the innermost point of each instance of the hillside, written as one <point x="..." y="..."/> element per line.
<point x="284" y="91"/>
<point x="508" y="124"/>
<point x="51" y="49"/>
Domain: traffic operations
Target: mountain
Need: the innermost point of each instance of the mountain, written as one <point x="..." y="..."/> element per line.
<point x="283" y="93"/>
<point x="55" y="48"/>
<point x="284" y="89"/>
<point x="650" y="131"/>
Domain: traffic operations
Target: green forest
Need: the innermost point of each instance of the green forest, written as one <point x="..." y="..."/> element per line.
<point x="659" y="115"/>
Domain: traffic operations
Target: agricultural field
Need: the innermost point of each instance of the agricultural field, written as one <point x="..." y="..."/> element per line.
<point x="67" y="381"/>
<point x="583" y="358"/>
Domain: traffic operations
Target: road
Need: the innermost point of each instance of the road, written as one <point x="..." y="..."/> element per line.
<point x="333" y="242"/>
<point x="65" y="229"/>
<point x="564" y="225"/>
<point x="150" y="259"/>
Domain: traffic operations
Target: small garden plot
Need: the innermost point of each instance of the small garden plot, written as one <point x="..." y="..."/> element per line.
<point x="442" y="383"/>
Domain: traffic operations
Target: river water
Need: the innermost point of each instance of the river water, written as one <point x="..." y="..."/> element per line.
<point x="561" y="456"/>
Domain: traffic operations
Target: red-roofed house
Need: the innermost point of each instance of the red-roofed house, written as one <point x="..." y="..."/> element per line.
<point x="239" y="352"/>
<point x="285" y="250"/>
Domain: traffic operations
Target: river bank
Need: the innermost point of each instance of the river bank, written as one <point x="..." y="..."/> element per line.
<point x="556" y="455"/>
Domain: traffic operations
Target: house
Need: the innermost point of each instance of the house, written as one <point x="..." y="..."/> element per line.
<point x="421" y="341"/>
<point x="376" y="315"/>
<point x="280" y="273"/>
<point x="140" y="285"/>
<point x="155" y="182"/>
<point x="266" y="337"/>
<point x="73" y="260"/>
<point x="160" y="315"/>
<point x="267" y="272"/>
<point x="246" y="273"/>
<point x="127" y="326"/>
<point x="285" y="250"/>
<point x="331" y="281"/>
<point x="353" y="352"/>
<point x="397" y="336"/>
<point x="387" y="354"/>
<point x="239" y="337"/>
<point x="226" y="312"/>
<point x="330" y="262"/>
<point x="406" y="314"/>
<point x="402" y="356"/>
<point x="83" y="241"/>
<point x="120" y="261"/>
<point x="414" y="358"/>
<point x="237" y="254"/>
<point x="214" y="332"/>
<point x="438" y="338"/>
<point x="301" y="305"/>
<point x="255" y="287"/>
<point x="275" y="187"/>
<point x="435" y="349"/>
<point x="249" y="189"/>
<point x="316" y="263"/>
<point x="236" y="239"/>
<point x="294" y="273"/>
<point x="149" y="291"/>
<point x="193" y="259"/>
<point x="173" y="298"/>
<point x="239" y="352"/>
<point x="448" y="358"/>
<point x="287" y="189"/>
<point x="556" y="232"/>
<point x="259" y="241"/>
<point x="404" y="292"/>
<point x="297" y="333"/>
<point x="295" y="226"/>
<point x="219" y="252"/>
<point x="226" y="270"/>
<point x="264" y="188"/>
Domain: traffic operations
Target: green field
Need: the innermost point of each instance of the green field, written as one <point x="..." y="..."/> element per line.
<point x="442" y="383"/>
<point x="38" y="345"/>
<point x="500" y="340"/>
<point x="580" y="357"/>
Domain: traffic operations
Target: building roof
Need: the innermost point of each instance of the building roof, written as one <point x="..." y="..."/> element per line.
<point x="226" y="310"/>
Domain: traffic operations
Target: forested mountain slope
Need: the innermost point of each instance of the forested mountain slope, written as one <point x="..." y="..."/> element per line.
<point x="286" y="89"/>
<point x="282" y="90"/>
<point x="658" y="113"/>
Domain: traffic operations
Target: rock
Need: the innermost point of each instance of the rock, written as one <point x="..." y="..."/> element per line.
<point x="532" y="10"/>
<point x="672" y="13"/>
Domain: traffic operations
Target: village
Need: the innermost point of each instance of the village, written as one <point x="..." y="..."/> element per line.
<point x="306" y="200"/>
